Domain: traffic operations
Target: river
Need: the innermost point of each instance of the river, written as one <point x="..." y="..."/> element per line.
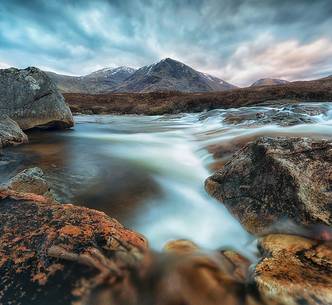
<point x="148" y="171"/>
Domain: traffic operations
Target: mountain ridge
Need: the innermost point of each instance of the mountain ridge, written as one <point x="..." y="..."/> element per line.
<point x="103" y="80"/>
<point x="165" y="75"/>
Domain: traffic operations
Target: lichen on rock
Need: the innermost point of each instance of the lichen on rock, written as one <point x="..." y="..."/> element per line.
<point x="58" y="253"/>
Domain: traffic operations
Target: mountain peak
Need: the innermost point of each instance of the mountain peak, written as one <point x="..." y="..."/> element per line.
<point x="269" y="82"/>
<point x="171" y="75"/>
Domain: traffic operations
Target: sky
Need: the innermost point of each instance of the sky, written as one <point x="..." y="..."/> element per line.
<point x="239" y="41"/>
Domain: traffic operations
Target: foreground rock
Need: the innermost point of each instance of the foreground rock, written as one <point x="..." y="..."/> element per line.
<point x="58" y="254"/>
<point x="10" y="132"/>
<point x="294" y="270"/>
<point x="273" y="179"/>
<point x="29" y="97"/>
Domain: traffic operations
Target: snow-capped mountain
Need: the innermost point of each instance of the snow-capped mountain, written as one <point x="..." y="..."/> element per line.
<point x="104" y="80"/>
<point x="117" y="74"/>
<point x="172" y="75"/>
<point x="166" y="75"/>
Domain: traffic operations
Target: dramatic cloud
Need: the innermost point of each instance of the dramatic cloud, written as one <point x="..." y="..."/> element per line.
<point x="237" y="40"/>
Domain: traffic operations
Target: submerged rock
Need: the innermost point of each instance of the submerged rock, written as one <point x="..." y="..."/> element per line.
<point x="294" y="270"/>
<point x="273" y="179"/>
<point x="59" y="253"/>
<point x="29" y="97"/>
<point x="10" y="132"/>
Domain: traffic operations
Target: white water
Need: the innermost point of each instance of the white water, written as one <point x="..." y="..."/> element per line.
<point x="166" y="159"/>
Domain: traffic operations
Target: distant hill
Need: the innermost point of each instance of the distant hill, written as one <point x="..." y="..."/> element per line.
<point x="269" y="82"/>
<point x="166" y="75"/>
<point x="104" y="80"/>
<point x="158" y="103"/>
<point x="172" y="75"/>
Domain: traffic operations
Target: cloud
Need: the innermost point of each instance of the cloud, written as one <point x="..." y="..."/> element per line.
<point x="288" y="60"/>
<point x="77" y="37"/>
<point x="4" y="65"/>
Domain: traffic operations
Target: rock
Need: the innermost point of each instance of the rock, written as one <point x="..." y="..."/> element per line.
<point x="294" y="270"/>
<point x="31" y="180"/>
<point x="181" y="246"/>
<point x="60" y="253"/>
<point x="187" y="274"/>
<point x="287" y="116"/>
<point x="232" y="263"/>
<point x="10" y="132"/>
<point x="29" y="97"/>
<point x="273" y="179"/>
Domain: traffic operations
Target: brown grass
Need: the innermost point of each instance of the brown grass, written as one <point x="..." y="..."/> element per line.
<point x="176" y="102"/>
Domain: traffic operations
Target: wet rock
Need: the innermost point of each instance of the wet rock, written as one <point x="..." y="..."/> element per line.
<point x="273" y="179"/>
<point x="286" y="119"/>
<point x="29" y="97"/>
<point x="60" y="253"/>
<point x="294" y="270"/>
<point x="186" y="274"/>
<point x="286" y="116"/>
<point x="10" y="132"/>
<point x="31" y="180"/>
<point x="283" y="117"/>
<point x="181" y="246"/>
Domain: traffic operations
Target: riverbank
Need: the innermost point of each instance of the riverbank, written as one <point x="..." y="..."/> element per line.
<point x="158" y="103"/>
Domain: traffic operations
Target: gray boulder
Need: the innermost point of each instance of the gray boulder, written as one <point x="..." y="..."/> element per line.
<point x="277" y="179"/>
<point x="10" y="132"/>
<point x="30" y="98"/>
<point x="31" y="180"/>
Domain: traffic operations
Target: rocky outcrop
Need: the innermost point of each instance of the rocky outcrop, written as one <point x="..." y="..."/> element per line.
<point x="273" y="179"/>
<point x="10" y="132"/>
<point x="294" y="270"/>
<point x="59" y="253"/>
<point x="30" y="98"/>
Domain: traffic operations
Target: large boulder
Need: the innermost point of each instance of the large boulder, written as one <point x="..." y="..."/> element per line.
<point x="10" y="132"/>
<point x="294" y="270"/>
<point x="277" y="179"/>
<point x="30" y="98"/>
<point x="59" y="253"/>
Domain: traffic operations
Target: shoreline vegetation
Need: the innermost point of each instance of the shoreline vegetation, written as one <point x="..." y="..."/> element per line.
<point x="158" y="103"/>
<point x="52" y="253"/>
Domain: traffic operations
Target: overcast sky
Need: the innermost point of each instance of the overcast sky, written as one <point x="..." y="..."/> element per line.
<point x="239" y="41"/>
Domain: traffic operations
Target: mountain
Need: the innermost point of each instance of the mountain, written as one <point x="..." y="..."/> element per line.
<point x="117" y="75"/>
<point x="269" y="82"/>
<point x="104" y="80"/>
<point x="172" y="75"/>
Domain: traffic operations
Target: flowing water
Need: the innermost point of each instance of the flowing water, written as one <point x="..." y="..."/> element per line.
<point x="149" y="171"/>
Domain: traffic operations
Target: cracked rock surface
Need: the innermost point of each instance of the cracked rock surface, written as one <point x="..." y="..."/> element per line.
<point x="273" y="179"/>
<point x="29" y="97"/>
